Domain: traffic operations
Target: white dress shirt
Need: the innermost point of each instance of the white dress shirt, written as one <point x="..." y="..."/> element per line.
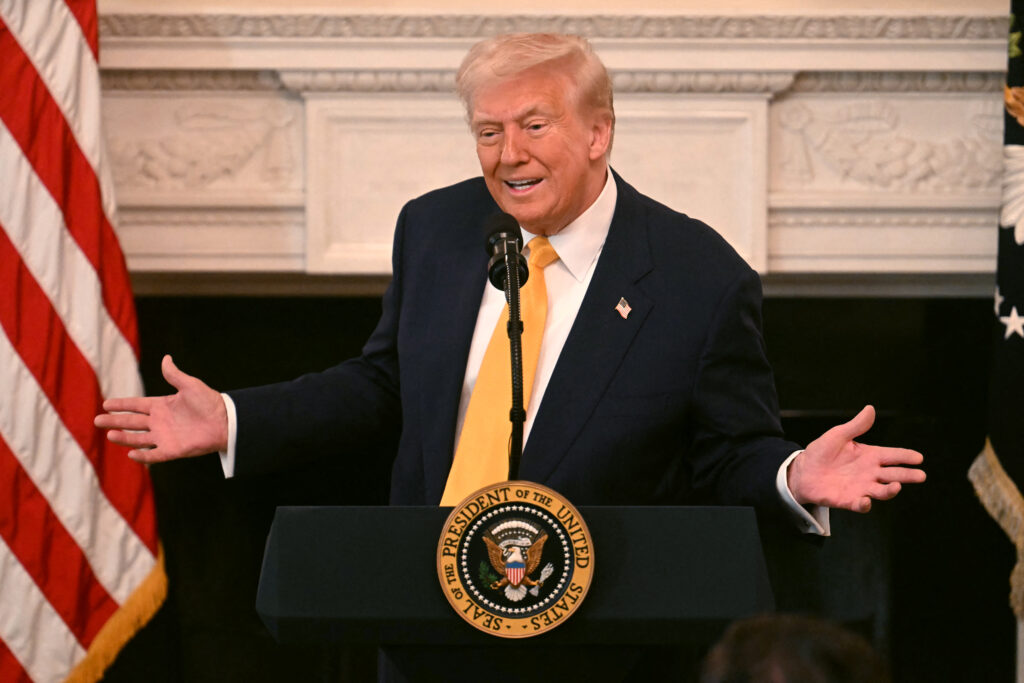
<point x="578" y="245"/>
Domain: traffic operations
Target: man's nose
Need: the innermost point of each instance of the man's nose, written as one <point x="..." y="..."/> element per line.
<point x="514" y="148"/>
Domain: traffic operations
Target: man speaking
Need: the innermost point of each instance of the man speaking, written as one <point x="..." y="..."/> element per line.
<point x="645" y="376"/>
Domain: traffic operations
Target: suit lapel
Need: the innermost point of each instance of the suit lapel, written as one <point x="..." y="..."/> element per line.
<point x="598" y="340"/>
<point x="451" y="311"/>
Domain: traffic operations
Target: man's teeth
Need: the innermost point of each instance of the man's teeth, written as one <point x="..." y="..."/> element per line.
<point x="520" y="184"/>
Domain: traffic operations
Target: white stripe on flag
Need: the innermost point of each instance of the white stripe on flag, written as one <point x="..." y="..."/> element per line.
<point x="53" y="40"/>
<point x="62" y="472"/>
<point x="35" y="225"/>
<point x="34" y="632"/>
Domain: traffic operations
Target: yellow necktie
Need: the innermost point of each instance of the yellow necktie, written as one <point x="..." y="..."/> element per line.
<point x="481" y="457"/>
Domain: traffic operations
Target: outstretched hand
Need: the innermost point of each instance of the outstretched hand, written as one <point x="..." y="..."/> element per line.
<point x="837" y="472"/>
<point x="159" y="428"/>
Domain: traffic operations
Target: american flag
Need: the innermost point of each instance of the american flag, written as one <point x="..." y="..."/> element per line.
<point x="998" y="472"/>
<point x="623" y="308"/>
<point x="1006" y="425"/>
<point x="80" y="564"/>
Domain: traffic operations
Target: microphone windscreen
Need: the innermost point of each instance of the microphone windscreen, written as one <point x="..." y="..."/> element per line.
<point x="501" y="223"/>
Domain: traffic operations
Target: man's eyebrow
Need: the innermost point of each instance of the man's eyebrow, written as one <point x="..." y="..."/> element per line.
<point x="526" y="113"/>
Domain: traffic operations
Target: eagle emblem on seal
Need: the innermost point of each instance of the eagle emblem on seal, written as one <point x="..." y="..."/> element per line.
<point x="514" y="548"/>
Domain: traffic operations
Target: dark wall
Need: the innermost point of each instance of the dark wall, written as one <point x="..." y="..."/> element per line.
<point x="214" y="530"/>
<point x="925" y="576"/>
<point x="944" y="580"/>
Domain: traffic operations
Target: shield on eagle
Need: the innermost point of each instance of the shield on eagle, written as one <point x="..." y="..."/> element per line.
<point x="515" y="571"/>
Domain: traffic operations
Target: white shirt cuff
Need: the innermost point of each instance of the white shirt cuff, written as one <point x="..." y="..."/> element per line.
<point x="813" y="519"/>
<point x="227" y="457"/>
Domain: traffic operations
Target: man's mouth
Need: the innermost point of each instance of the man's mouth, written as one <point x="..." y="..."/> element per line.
<point x="522" y="185"/>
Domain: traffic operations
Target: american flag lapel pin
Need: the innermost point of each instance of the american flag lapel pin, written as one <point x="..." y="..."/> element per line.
<point x="623" y="308"/>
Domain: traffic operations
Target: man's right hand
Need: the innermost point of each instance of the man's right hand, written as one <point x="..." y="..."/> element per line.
<point x="190" y="422"/>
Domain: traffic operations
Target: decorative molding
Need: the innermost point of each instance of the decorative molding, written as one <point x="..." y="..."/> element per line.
<point x="197" y="80"/>
<point x="899" y="81"/>
<point x="141" y="215"/>
<point x="842" y="239"/>
<point x="845" y="218"/>
<point x="701" y="81"/>
<point x="438" y="80"/>
<point x="212" y="239"/>
<point x="873" y="28"/>
<point x="443" y="80"/>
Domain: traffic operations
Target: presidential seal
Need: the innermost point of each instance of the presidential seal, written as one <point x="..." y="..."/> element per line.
<point x="515" y="559"/>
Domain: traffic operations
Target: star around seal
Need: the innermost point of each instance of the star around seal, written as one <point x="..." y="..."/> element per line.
<point x="515" y="559"/>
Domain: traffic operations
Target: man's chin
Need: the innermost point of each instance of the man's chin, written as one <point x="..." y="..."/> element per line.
<point x="528" y="223"/>
<point x="527" y="215"/>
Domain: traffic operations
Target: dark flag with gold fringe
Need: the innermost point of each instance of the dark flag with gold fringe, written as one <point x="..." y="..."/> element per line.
<point x="997" y="473"/>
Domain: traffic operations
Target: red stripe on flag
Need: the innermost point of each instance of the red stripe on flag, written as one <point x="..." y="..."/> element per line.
<point x="58" y="566"/>
<point x="85" y="15"/>
<point x="38" y="335"/>
<point x="33" y="530"/>
<point x="37" y="124"/>
<point x="11" y="670"/>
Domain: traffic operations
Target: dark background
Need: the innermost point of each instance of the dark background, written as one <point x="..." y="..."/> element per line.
<point x="925" y="577"/>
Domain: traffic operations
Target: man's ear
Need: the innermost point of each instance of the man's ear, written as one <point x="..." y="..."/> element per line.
<point x="601" y="136"/>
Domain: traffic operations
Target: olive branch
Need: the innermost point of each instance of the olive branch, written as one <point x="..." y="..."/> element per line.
<point x="487" y="575"/>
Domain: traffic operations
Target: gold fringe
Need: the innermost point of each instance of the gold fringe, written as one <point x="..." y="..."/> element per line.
<point x="138" y="609"/>
<point x="1003" y="501"/>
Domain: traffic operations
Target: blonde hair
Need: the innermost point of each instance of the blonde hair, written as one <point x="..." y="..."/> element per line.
<point x="504" y="56"/>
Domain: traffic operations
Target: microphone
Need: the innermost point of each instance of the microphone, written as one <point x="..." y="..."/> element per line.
<point x="507" y="271"/>
<point x="504" y="244"/>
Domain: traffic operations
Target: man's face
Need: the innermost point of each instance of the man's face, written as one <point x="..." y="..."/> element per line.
<point x="542" y="158"/>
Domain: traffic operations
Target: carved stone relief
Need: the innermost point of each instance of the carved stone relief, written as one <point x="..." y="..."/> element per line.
<point x="895" y="145"/>
<point x="206" y="145"/>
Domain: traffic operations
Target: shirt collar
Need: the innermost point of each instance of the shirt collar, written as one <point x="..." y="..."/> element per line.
<point x="579" y="243"/>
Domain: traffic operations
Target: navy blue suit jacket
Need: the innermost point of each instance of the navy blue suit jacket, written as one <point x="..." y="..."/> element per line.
<point x="675" y="404"/>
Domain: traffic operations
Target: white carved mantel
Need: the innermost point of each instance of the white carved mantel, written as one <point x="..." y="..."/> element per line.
<point x="847" y="148"/>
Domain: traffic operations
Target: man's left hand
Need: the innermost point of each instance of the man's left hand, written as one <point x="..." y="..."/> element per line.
<point x="837" y="472"/>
